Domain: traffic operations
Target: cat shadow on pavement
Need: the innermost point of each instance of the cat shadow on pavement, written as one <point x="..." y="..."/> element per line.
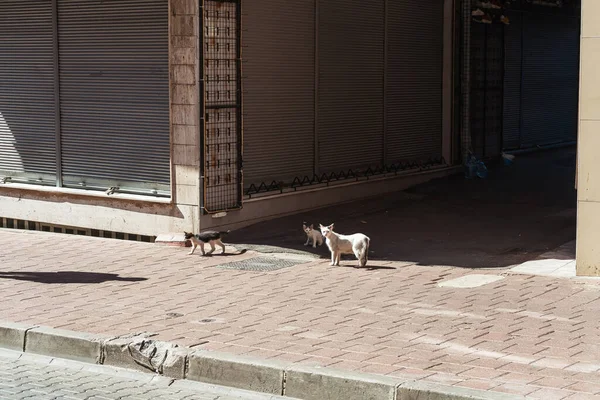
<point x="368" y="267"/>
<point x="243" y="251"/>
<point x="67" y="277"/>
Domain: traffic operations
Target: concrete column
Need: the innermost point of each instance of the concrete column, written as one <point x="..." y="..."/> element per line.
<point x="588" y="163"/>
<point x="185" y="133"/>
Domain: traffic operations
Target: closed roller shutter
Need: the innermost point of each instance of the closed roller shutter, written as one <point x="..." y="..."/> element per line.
<point x="27" y="112"/>
<point x="279" y="72"/>
<point x="550" y="79"/>
<point x="494" y="75"/>
<point x="511" y="136"/>
<point x="487" y="68"/>
<point x="414" y="82"/>
<point x="350" y="95"/>
<point x="114" y="89"/>
<point x="478" y="87"/>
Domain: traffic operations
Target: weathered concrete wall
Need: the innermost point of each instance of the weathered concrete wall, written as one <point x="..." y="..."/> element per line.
<point x="588" y="164"/>
<point x="132" y="214"/>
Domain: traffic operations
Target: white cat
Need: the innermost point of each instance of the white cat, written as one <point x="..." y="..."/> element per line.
<point x="312" y="234"/>
<point x="357" y="244"/>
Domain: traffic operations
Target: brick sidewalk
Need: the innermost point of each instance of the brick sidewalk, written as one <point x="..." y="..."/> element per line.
<point x="530" y="335"/>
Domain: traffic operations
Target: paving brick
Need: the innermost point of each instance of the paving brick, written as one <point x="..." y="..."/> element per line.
<point x="515" y="388"/>
<point x="551" y="394"/>
<point x="587" y="387"/>
<point x="477" y="384"/>
<point x="554" y="382"/>
<point x="484" y="373"/>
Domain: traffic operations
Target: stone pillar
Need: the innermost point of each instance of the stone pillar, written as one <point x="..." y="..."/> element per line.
<point x="588" y="148"/>
<point x="185" y="132"/>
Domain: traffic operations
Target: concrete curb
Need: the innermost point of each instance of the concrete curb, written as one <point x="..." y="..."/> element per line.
<point x="139" y="352"/>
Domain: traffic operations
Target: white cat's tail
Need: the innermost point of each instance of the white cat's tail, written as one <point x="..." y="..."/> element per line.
<point x="365" y="254"/>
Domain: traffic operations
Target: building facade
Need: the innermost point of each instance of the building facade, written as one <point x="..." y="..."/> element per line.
<point x="147" y="117"/>
<point x="155" y="116"/>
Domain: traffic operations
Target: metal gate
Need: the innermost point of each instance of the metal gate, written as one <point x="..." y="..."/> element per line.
<point x="222" y="109"/>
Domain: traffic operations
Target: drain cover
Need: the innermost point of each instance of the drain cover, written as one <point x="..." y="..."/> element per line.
<point x="261" y="264"/>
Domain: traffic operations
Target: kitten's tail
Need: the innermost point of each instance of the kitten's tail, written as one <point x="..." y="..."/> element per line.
<point x="365" y="254"/>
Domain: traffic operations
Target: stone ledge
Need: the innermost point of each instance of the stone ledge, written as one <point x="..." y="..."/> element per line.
<point x="235" y="371"/>
<point x="419" y="390"/>
<point x="172" y="239"/>
<point x="311" y="383"/>
<point x="12" y="336"/>
<point x="65" y="344"/>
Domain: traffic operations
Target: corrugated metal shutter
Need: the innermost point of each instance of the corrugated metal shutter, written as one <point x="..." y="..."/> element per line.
<point x="350" y="95"/>
<point x="550" y="79"/>
<point x="414" y="79"/>
<point x="278" y="80"/>
<point x="27" y="112"/>
<point x="478" y="83"/>
<point x="114" y="89"/>
<point x="511" y="136"/>
<point x="494" y="88"/>
<point x="487" y="67"/>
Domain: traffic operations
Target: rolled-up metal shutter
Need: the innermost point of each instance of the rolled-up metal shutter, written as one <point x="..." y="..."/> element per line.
<point x="27" y="110"/>
<point x="350" y="87"/>
<point x="278" y="78"/>
<point x="550" y="79"/>
<point x="511" y="126"/>
<point x="414" y="79"/>
<point x="114" y="91"/>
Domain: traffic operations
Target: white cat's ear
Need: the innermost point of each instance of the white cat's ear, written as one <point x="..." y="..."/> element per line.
<point x="321" y="226"/>
<point x="330" y="226"/>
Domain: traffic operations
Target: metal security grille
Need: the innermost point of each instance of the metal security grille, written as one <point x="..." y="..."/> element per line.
<point x="114" y="94"/>
<point x="487" y="72"/>
<point x="279" y="90"/>
<point x="513" y="62"/>
<point x="550" y="87"/>
<point x="222" y="167"/>
<point x="84" y="94"/>
<point x="27" y="92"/>
<point x="350" y="40"/>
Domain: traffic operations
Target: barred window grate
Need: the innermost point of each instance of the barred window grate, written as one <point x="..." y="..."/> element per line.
<point x="222" y="85"/>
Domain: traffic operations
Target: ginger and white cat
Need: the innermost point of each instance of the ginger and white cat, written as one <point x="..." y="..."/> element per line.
<point x="312" y="234"/>
<point x="357" y="244"/>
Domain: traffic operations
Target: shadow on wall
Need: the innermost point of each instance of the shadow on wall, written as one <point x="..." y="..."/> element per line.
<point x="515" y="215"/>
